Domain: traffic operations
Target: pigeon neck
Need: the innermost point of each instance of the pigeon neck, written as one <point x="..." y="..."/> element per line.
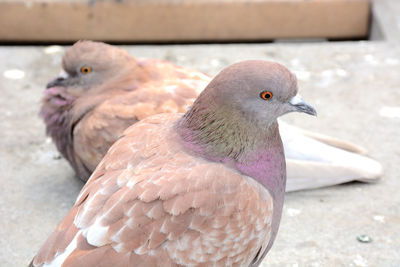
<point x="215" y="133"/>
<point x="223" y="136"/>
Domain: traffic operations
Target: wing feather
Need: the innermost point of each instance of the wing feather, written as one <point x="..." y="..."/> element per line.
<point x="177" y="214"/>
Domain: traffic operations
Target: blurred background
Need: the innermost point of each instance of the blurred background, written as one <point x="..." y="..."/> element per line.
<point x="346" y="56"/>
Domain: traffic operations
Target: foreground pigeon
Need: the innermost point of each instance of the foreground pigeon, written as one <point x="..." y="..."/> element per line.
<point x="202" y="189"/>
<point x="103" y="90"/>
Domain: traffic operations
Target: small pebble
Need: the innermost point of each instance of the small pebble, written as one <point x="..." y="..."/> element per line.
<point x="57" y="156"/>
<point x="360" y="261"/>
<point x="379" y="218"/>
<point x="293" y="212"/>
<point x="364" y="239"/>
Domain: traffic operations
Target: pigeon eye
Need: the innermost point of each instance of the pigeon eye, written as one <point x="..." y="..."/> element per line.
<point x="86" y="69"/>
<point x="266" y="95"/>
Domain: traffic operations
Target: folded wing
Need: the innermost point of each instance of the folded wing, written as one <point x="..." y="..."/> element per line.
<point x="314" y="160"/>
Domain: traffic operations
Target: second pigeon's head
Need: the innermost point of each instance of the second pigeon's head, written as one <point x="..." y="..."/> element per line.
<point x="260" y="91"/>
<point x="87" y="64"/>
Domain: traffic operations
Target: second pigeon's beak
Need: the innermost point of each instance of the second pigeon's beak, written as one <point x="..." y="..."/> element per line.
<point x="301" y="106"/>
<point x="58" y="81"/>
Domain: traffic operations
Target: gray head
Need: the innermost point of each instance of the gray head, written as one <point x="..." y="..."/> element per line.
<point x="260" y="90"/>
<point x="87" y="64"/>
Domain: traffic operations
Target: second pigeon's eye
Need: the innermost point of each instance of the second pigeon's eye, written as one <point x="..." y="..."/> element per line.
<point x="86" y="69"/>
<point x="266" y="95"/>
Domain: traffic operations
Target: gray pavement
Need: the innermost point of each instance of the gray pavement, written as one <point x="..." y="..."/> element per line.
<point x="355" y="86"/>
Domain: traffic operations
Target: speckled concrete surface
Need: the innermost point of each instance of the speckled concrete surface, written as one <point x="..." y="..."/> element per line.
<point x="355" y="87"/>
<point x="350" y="84"/>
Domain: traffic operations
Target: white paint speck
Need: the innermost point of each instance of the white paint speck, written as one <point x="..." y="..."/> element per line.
<point x="14" y="74"/>
<point x="215" y="62"/>
<point x="341" y="73"/>
<point x="53" y="49"/>
<point x="293" y="212"/>
<point x="360" y="261"/>
<point x="370" y="59"/>
<point x="295" y="62"/>
<point x="379" y="218"/>
<point x="390" y="112"/>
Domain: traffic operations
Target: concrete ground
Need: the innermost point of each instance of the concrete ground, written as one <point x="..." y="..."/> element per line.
<point x="355" y="86"/>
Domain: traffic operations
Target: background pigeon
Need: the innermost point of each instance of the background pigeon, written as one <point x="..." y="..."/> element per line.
<point x="102" y="90"/>
<point x="205" y="189"/>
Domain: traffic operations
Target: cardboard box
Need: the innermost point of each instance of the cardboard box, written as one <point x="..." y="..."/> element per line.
<point x="181" y="20"/>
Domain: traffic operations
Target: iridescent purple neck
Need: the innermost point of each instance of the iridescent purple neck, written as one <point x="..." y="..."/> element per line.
<point x="55" y="111"/>
<point x="258" y="153"/>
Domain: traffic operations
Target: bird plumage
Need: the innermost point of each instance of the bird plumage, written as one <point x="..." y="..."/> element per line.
<point x="162" y="196"/>
<point x="314" y="160"/>
<point x="85" y="114"/>
<point x="161" y="210"/>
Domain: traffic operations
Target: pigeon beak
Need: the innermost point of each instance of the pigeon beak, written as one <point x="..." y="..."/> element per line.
<point x="58" y="81"/>
<point x="301" y="106"/>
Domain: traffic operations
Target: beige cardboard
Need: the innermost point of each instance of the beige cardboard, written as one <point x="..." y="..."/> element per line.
<point x="180" y="20"/>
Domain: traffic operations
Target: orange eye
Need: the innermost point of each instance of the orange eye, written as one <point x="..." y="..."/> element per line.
<point x="86" y="69"/>
<point x="266" y="95"/>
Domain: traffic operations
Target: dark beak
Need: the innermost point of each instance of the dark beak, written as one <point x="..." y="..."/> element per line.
<point x="301" y="106"/>
<point x="58" y="81"/>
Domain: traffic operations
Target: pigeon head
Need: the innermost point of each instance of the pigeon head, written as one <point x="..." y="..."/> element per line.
<point x="240" y="106"/>
<point x="87" y="64"/>
<point x="260" y="91"/>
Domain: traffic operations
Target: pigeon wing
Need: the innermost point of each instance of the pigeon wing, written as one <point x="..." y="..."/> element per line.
<point x="150" y="203"/>
<point x="312" y="163"/>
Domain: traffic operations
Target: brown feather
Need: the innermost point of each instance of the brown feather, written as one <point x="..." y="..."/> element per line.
<point x="121" y="91"/>
<point x="172" y="216"/>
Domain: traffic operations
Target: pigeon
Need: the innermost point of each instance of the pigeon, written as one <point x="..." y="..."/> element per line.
<point x="203" y="188"/>
<point x="102" y="90"/>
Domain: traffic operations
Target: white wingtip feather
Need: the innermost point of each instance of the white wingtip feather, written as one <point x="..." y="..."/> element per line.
<point x="312" y="163"/>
